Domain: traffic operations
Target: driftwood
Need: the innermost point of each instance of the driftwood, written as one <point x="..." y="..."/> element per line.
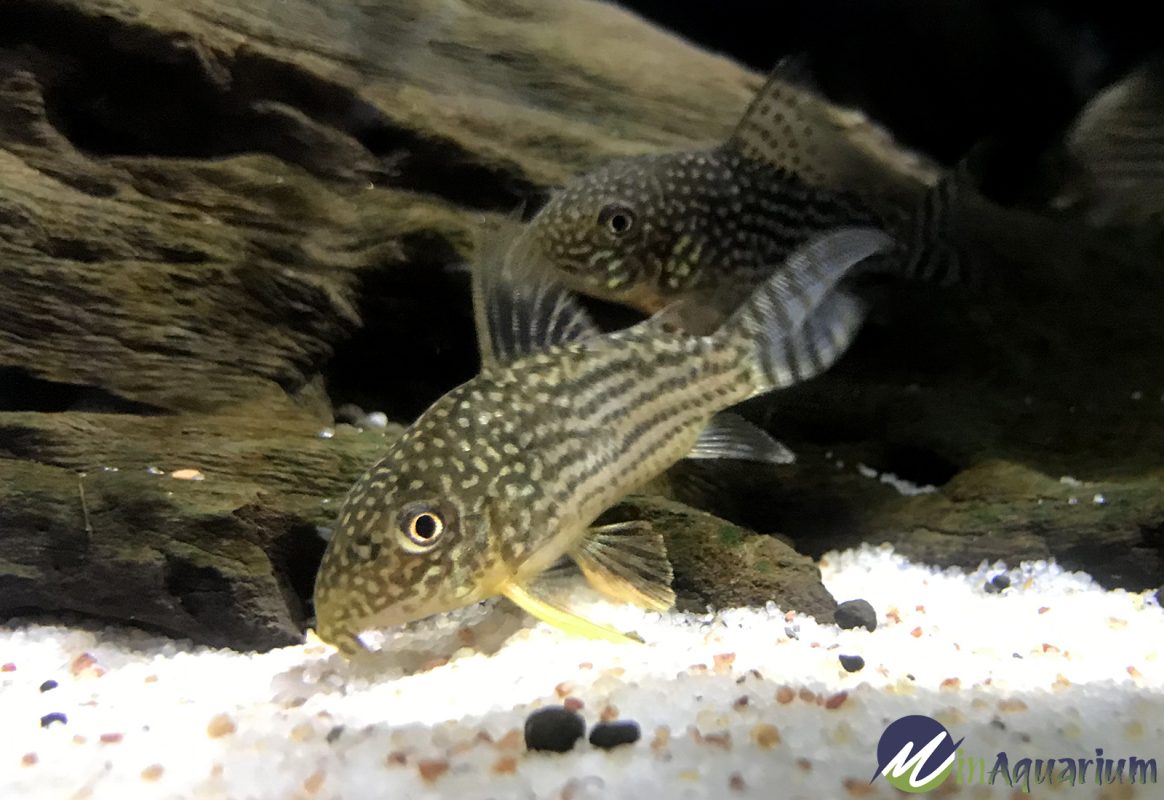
<point x="217" y="221"/>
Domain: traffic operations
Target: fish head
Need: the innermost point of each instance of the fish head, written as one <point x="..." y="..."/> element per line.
<point x="405" y="547"/>
<point x="627" y="232"/>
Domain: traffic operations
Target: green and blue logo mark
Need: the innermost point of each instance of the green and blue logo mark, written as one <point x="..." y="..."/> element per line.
<point x="916" y="754"/>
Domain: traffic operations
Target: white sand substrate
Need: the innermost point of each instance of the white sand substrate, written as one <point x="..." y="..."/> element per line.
<point x="740" y="703"/>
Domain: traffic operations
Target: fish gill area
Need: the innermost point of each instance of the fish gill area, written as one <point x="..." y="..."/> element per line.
<point x="220" y="223"/>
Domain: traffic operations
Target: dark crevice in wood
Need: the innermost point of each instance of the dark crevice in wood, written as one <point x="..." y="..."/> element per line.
<point x="20" y="390"/>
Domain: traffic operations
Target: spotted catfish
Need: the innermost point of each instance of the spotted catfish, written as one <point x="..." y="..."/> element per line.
<point x="506" y="474"/>
<point x="714" y="222"/>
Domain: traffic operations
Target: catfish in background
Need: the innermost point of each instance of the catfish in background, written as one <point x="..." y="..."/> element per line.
<point x="710" y="224"/>
<point x="506" y="474"/>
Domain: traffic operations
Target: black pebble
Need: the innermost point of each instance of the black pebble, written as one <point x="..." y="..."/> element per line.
<point x="334" y="734"/>
<point x="856" y="614"/>
<point x="852" y="663"/>
<point x="609" y="735"/>
<point x="56" y="716"/>
<point x="49" y="684"/>
<point x="553" y="728"/>
<point x="997" y="583"/>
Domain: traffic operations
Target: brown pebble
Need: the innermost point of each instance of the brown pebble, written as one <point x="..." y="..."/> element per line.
<point x="916" y="633"/>
<point x="295" y="702"/>
<point x="922" y="609"/>
<point x="721" y="739"/>
<point x="736" y="782"/>
<point x="661" y="739"/>
<point x="485" y="737"/>
<point x="217" y="770"/>
<point x="397" y="758"/>
<point x="506" y="765"/>
<point x="723" y="662"/>
<point x="314" y="782"/>
<point x="514" y="739"/>
<point x="432" y="768"/>
<point x="1061" y="682"/>
<point x="585" y="665"/>
<point x="836" y="700"/>
<point x="951" y="683"/>
<point x="608" y="713"/>
<point x="785" y="695"/>
<point x="804" y="764"/>
<point x="1117" y="624"/>
<point x="9" y="667"/>
<point x="1135" y="673"/>
<point x="563" y="689"/>
<point x="28" y="759"/>
<point x="153" y="772"/>
<point x="1013" y="704"/>
<point x="697" y="668"/>
<point x="79" y="739"/>
<point x="302" y="732"/>
<point x="1050" y="648"/>
<point x="1044" y="609"/>
<point x="433" y="663"/>
<point x="150" y="679"/>
<point x="85" y="665"/>
<point x="789" y="616"/>
<point x="741" y="703"/>
<point x="111" y="738"/>
<point x="187" y="475"/>
<point x="466" y="637"/>
<point x="807" y="695"/>
<point x="220" y="725"/>
<point x="858" y="788"/>
<point x="573" y="704"/>
<point x="765" y="736"/>
<point x="893" y="615"/>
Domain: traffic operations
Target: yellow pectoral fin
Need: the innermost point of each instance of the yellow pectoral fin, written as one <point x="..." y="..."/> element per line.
<point x="562" y="618"/>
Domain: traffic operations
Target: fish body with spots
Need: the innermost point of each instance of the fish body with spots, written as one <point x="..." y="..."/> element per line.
<point x="505" y="474"/>
<point x="711" y="224"/>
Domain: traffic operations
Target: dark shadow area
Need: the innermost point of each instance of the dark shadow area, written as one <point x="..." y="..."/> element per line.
<point x="418" y="339"/>
<point x="22" y="391"/>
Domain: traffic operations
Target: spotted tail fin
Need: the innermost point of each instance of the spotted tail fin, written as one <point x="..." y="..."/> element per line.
<point x="796" y="324"/>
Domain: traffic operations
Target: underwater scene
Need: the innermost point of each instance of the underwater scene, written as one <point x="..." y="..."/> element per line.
<point x="581" y="399"/>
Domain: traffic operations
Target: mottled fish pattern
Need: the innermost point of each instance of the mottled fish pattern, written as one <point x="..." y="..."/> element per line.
<point x="506" y="473"/>
<point x="712" y="223"/>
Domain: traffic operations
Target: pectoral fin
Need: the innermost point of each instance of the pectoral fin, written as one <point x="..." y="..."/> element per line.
<point x="555" y="613"/>
<point x="733" y="437"/>
<point x="628" y="562"/>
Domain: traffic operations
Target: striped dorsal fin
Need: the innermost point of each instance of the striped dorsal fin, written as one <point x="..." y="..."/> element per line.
<point x="518" y="308"/>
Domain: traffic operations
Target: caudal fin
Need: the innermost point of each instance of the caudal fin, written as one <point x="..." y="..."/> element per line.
<point x="796" y="324"/>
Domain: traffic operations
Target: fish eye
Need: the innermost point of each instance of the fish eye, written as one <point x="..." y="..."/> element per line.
<point x="616" y="219"/>
<point x="422" y="526"/>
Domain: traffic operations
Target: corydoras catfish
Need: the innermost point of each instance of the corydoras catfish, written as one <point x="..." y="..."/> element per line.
<point x="712" y="223"/>
<point x="506" y="474"/>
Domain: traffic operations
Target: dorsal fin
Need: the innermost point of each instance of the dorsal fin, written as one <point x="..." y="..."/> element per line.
<point x="793" y="127"/>
<point x="518" y="308"/>
<point x="1117" y="143"/>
